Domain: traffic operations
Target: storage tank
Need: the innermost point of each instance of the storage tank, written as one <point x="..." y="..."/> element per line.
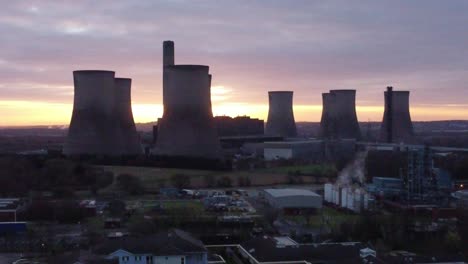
<point x="344" y="197"/>
<point x="280" y="120"/>
<point x="187" y="126"/>
<point x="396" y="125"/>
<point x="94" y="128"/>
<point x="130" y="139"/>
<point x="328" y="192"/>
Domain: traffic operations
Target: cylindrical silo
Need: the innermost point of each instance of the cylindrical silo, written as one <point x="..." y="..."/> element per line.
<point x="280" y="120"/>
<point x="130" y="138"/>
<point x="93" y="127"/>
<point x="396" y="124"/>
<point x="342" y="120"/>
<point x="187" y="127"/>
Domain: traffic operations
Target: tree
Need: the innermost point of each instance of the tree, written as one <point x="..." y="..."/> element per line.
<point x="209" y="180"/>
<point x="116" y="207"/>
<point x="180" y="181"/>
<point x="130" y="184"/>
<point x="243" y="181"/>
<point x="141" y="226"/>
<point x="224" y="181"/>
<point x="452" y="242"/>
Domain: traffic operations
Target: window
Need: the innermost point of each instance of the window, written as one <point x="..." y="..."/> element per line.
<point x="125" y="258"/>
<point x="137" y="258"/>
<point x="182" y="260"/>
<point x="149" y="259"/>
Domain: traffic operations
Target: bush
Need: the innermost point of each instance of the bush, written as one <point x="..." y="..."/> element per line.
<point x="224" y="181"/>
<point x="209" y="180"/>
<point x="243" y="181"/>
<point x="130" y="184"/>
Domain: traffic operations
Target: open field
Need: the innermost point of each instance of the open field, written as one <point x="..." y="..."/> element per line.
<point x="155" y="178"/>
<point x="311" y="169"/>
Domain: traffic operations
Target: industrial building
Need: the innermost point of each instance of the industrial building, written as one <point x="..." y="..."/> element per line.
<point x="339" y="119"/>
<point x="280" y="120"/>
<point x="238" y="126"/>
<point x="10" y="208"/>
<point x="306" y="150"/>
<point x="102" y="120"/>
<point x="187" y="128"/>
<point x="293" y="201"/>
<point x="348" y="197"/>
<point x="396" y="125"/>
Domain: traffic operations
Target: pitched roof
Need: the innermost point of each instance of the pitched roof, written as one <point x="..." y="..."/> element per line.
<point x="169" y="243"/>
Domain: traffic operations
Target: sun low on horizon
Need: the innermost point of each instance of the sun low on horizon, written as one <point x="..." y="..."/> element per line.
<point x="251" y="48"/>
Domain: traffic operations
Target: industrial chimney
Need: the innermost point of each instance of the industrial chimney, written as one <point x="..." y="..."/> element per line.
<point x="168" y="60"/>
<point x="396" y="125"/>
<point x="339" y="119"/>
<point x="93" y="128"/>
<point x="280" y="120"/>
<point x="187" y="127"/>
<point x="130" y="143"/>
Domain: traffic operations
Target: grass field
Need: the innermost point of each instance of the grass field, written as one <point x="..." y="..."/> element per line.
<point x="311" y="169"/>
<point x="155" y="178"/>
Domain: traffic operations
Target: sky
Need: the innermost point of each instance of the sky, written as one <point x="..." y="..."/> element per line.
<point x="252" y="47"/>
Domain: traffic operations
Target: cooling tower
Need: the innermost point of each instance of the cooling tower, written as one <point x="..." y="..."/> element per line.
<point x="280" y="120"/>
<point x="325" y="121"/>
<point x="187" y="127"/>
<point x="396" y="125"/>
<point x="130" y="143"/>
<point x="339" y="119"/>
<point x="93" y="128"/>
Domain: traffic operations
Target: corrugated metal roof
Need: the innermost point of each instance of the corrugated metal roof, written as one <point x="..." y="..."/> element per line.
<point x="290" y="192"/>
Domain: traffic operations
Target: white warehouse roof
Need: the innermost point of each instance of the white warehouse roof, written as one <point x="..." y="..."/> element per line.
<point x="278" y="193"/>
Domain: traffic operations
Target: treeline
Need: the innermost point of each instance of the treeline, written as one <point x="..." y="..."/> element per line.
<point x="21" y="174"/>
<point x="181" y="162"/>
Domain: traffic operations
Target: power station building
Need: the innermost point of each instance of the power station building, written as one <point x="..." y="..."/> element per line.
<point x="239" y="126"/>
<point x="396" y="125"/>
<point x="280" y="120"/>
<point x="102" y="120"/>
<point x="339" y="119"/>
<point x="187" y="128"/>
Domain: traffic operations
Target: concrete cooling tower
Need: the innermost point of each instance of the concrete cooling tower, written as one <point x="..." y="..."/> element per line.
<point x="280" y="120"/>
<point x="339" y="119"/>
<point x="93" y="128"/>
<point x="187" y="127"/>
<point x="102" y="119"/>
<point x="130" y="142"/>
<point x="396" y="125"/>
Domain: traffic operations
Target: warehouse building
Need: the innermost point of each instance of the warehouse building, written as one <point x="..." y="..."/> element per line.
<point x="293" y="201"/>
<point x="306" y="150"/>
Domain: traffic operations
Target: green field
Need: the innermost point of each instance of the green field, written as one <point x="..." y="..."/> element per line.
<point x="155" y="178"/>
<point x="321" y="170"/>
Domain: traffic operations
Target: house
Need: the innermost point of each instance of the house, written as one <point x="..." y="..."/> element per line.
<point x="170" y="247"/>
